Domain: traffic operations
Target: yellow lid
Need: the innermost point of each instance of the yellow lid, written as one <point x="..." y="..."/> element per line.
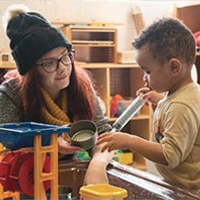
<point x="102" y="191"/>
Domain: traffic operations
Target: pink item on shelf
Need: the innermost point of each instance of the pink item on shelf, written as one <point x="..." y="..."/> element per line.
<point x="114" y="103"/>
<point x="197" y="38"/>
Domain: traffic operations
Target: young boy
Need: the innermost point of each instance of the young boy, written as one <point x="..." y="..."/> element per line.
<point x="166" y="52"/>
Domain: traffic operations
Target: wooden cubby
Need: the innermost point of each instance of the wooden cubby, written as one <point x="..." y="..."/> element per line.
<point x="93" y="44"/>
<point x="4" y="67"/>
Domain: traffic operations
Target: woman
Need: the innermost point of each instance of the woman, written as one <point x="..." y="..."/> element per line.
<point x="49" y="88"/>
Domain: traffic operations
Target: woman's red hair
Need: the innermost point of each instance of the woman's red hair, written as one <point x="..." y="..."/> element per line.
<point x="80" y="95"/>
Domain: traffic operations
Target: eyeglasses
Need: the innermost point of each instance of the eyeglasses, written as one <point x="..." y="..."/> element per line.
<point x="52" y="65"/>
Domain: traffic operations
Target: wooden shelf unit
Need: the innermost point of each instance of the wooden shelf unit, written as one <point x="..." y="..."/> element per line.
<point x="7" y="65"/>
<point x="188" y="14"/>
<point x="4" y="67"/>
<point x="93" y="43"/>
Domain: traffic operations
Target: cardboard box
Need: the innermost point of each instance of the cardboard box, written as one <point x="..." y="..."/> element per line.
<point x="126" y="57"/>
<point x="124" y="157"/>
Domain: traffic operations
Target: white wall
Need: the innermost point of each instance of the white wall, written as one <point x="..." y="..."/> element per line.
<point x="98" y="11"/>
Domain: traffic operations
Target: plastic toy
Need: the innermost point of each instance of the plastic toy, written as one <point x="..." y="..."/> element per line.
<point x="37" y="139"/>
<point x="6" y="194"/>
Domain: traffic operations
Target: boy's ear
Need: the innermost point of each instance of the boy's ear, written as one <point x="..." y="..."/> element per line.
<point x="175" y="66"/>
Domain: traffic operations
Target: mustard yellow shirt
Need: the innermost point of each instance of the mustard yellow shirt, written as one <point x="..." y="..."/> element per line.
<point x="176" y="126"/>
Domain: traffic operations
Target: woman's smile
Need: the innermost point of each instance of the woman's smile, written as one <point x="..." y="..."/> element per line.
<point x="62" y="77"/>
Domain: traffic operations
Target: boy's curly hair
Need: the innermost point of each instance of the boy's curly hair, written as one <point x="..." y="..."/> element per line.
<point x="168" y="38"/>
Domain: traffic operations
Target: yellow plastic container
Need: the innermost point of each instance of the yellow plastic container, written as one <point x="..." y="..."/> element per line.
<point x="102" y="191"/>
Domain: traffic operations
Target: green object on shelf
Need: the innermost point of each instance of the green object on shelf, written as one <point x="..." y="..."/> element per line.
<point x="118" y="152"/>
<point x="116" y="157"/>
<point x="83" y="155"/>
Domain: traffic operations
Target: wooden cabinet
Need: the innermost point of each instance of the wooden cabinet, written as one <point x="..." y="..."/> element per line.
<point x="96" y="50"/>
<point x="189" y="15"/>
<point x="4" y="67"/>
<point x="93" y="44"/>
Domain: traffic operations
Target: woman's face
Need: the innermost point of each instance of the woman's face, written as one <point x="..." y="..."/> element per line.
<point x="54" y="69"/>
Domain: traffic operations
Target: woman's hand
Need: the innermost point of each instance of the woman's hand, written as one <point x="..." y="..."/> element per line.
<point x="151" y="95"/>
<point x="65" y="148"/>
<point x="114" y="141"/>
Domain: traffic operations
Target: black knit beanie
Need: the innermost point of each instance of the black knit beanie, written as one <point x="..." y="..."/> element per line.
<point x="32" y="36"/>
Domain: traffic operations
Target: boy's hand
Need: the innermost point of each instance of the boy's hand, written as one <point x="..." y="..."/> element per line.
<point x="151" y="95"/>
<point x="142" y="90"/>
<point x="114" y="141"/>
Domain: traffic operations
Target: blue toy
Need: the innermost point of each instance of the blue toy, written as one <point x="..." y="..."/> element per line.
<point x="19" y="135"/>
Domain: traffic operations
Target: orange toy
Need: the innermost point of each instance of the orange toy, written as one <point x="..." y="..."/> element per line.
<point x="37" y="139"/>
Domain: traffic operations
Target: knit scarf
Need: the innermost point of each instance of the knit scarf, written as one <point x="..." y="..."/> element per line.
<point x="51" y="111"/>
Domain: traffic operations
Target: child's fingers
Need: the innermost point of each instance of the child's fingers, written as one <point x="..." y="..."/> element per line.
<point x="142" y="90"/>
<point x="147" y="95"/>
<point x="106" y="146"/>
<point x="104" y="135"/>
<point x="111" y="147"/>
<point x="102" y="140"/>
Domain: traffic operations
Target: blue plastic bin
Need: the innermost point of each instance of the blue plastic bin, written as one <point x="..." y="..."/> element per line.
<point x="18" y="135"/>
